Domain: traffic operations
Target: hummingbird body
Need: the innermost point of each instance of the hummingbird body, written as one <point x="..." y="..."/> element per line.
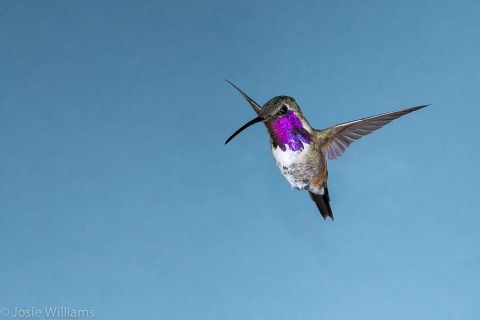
<point x="295" y="149"/>
<point x="301" y="151"/>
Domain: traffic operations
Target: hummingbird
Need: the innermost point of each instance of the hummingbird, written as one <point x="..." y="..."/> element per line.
<point x="301" y="152"/>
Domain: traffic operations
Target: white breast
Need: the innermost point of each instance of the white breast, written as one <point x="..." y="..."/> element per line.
<point x="290" y="164"/>
<point x="288" y="157"/>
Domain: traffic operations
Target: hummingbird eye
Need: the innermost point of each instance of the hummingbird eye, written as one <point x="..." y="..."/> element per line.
<point x="283" y="110"/>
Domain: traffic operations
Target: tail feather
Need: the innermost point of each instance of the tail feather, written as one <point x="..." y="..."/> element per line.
<point x="323" y="203"/>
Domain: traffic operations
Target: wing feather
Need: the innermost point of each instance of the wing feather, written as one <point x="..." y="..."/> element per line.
<point x="335" y="140"/>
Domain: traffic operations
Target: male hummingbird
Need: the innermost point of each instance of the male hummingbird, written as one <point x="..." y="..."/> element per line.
<point x="301" y="151"/>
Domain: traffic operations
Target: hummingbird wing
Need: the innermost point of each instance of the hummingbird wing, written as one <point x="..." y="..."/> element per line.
<point x="335" y="140"/>
<point x="323" y="203"/>
<point x="256" y="107"/>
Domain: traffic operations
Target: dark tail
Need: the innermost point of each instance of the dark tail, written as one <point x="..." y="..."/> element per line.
<point x="323" y="203"/>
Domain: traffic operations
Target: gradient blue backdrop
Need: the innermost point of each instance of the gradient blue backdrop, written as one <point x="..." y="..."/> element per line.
<point x="118" y="195"/>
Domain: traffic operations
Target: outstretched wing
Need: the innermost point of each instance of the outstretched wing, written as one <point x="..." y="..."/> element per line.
<point x="335" y="140"/>
<point x="256" y="107"/>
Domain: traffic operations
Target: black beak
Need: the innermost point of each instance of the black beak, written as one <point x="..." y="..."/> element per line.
<point x="245" y="126"/>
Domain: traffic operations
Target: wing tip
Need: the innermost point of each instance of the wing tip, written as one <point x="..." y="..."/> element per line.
<point x="256" y="107"/>
<point x="420" y="107"/>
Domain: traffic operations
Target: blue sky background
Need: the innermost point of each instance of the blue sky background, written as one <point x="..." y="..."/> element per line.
<point x="117" y="193"/>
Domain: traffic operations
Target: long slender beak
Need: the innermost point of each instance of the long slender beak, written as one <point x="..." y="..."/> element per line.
<point x="245" y="126"/>
<point x="256" y="107"/>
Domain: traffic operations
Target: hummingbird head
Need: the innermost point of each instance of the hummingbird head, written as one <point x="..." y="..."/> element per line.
<point x="284" y="120"/>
